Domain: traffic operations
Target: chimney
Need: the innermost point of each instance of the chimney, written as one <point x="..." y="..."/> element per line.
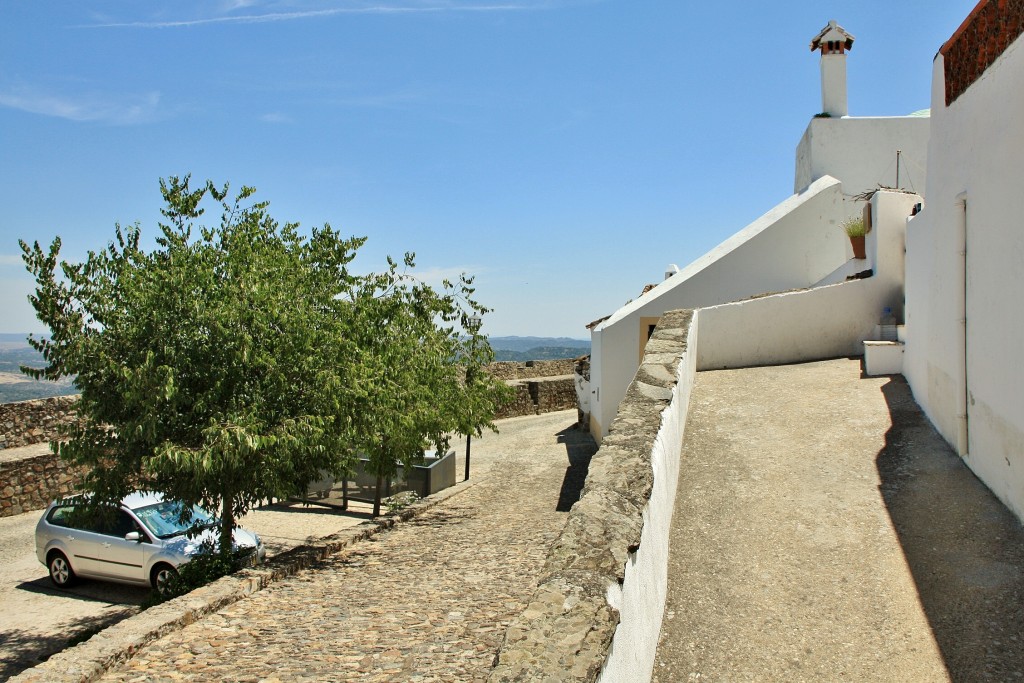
<point x="833" y="41"/>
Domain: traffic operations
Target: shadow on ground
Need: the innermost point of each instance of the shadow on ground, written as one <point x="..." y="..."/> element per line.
<point x="580" y="448"/>
<point x="20" y="650"/>
<point x="964" y="548"/>
<point x="89" y="591"/>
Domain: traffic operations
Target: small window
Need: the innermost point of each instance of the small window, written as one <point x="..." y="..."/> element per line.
<point x="59" y="516"/>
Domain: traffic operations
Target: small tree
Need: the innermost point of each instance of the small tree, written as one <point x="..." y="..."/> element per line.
<point x="217" y="368"/>
<point x="414" y="392"/>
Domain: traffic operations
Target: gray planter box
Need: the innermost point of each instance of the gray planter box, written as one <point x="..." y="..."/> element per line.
<point x="435" y="474"/>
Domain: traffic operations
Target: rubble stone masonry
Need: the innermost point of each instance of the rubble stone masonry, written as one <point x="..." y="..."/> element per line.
<point x="27" y="422"/>
<point x="980" y="40"/>
<point x="30" y="483"/>
<point x="531" y="369"/>
<point x="30" y="475"/>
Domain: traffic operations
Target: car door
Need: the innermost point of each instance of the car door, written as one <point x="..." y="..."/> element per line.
<point x="116" y="557"/>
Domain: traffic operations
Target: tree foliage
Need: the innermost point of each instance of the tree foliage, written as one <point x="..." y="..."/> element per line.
<point x="417" y="391"/>
<point x="234" y="363"/>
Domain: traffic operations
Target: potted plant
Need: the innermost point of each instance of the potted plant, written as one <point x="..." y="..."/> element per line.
<point x="856" y="229"/>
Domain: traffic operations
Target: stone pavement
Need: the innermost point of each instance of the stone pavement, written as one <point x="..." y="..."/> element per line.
<point x="426" y="601"/>
<point x="824" y="531"/>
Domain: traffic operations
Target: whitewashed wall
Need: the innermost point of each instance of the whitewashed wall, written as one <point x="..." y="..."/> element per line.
<point x="823" y="322"/>
<point x="796" y="244"/>
<point x="641" y="603"/>
<point x="976" y="159"/>
<point x="861" y="151"/>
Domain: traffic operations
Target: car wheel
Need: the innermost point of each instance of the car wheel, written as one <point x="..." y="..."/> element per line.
<point x="162" y="576"/>
<point x="61" y="572"/>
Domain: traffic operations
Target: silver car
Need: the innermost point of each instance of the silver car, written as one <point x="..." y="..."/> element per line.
<point x="143" y="541"/>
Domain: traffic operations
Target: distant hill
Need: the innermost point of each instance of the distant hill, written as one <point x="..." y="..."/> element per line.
<point x="541" y="353"/>
<point x="527" y="343"/>
<point x="538" y="348"/>
<point x="16" y="386"/>
<point x="14" y="341"/>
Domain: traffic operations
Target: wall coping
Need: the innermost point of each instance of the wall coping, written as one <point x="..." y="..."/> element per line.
<point x="566" y="631"/>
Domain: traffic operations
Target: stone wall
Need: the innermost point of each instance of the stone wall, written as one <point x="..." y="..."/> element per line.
<point x="598" y="608"/>
<point x="553" y="394"/>
<point x="30" y="483"/>
<point x="31" y="477"/>
<point x="544" y="395"/>
<point x="521" y="403"/>
<point x="27" y="422"/>
<point x="986" y="33"/>
<point x="531" y="369"/>
<point x="541" y="386"/>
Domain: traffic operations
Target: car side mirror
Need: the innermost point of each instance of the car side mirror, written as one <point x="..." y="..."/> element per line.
<point x="133" y="536"/>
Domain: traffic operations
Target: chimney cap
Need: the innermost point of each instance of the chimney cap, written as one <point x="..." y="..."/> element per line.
<point x="833" y="33"/>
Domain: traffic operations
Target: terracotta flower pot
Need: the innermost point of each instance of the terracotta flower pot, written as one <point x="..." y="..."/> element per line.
<point x="858" y="247"/>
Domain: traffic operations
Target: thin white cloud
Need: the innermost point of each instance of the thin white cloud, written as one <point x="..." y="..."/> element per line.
<point x="11" y="260"/>
<point x="380" y="8"/>
<point x="115" y="110"/>
<point x="275" y="117"/>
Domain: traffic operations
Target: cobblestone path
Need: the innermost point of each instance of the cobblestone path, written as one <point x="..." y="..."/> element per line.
<point x="426" y="601"/>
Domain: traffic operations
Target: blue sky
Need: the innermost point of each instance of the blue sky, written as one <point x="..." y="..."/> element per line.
<point x="563" y="151"/>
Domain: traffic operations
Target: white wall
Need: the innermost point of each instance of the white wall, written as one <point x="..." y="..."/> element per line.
<point x="641" y="603"/>
<point x="976" y="156"/>
<point x="796" y="244"/>
<point x="861" y="151"/>
<point x="823" y="322"/>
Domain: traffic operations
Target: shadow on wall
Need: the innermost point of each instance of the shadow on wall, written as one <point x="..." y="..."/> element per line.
<point x="580" y="448"/>
<point x="964" y="548"/>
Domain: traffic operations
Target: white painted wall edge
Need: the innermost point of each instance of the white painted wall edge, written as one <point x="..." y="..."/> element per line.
<point x="645" y="587"/>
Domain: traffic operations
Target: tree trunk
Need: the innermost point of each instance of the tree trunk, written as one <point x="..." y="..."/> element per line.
<point x="227" y="523"/>
<point x="376" y="496"/>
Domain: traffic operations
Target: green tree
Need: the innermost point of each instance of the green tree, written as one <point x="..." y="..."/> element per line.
<point x="414" y="391"/>
<point x="218" y="367"/>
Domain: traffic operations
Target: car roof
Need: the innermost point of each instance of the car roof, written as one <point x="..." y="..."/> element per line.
<point x="134" y="501"/>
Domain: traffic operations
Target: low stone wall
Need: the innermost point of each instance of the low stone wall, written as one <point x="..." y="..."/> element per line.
<point x="31" y="477"/>
<point x="544" y="395"/>
<point x="521" y="403"/>
<point x="531" y="369"/>
<point x="554" y="393"/>
<point x="30" y="483"/>
<point x="597" y="611"/>
<point x="28" y="422"/>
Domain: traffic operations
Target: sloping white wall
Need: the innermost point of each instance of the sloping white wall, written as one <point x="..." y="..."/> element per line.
<point x="822" y="322"/>
<point x="794" y="245"/>
<point x="861" y="151"/>
<point x="641" y="604"/>
<point x="975" y="175"/>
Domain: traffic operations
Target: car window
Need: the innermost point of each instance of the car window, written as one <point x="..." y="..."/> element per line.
<point x="171" y="518"/>
<point x="121" y="524"/>
<point x="60" y="515"/>
<point x="103" y="520"/>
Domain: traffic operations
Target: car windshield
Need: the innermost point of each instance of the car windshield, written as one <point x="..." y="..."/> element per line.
<point x="171" y="518"/>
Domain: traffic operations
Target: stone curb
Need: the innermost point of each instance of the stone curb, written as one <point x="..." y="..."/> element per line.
<point x="89" y="660"/>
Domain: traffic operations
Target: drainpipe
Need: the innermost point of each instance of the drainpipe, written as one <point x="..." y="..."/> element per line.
<point x="960" y="310"/>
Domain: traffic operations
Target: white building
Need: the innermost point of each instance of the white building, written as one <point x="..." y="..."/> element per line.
<point x="797" y="244"/>
<point x="965" y="252"/>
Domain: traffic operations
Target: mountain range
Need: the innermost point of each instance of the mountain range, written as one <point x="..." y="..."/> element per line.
<point x="15" y="352"/>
